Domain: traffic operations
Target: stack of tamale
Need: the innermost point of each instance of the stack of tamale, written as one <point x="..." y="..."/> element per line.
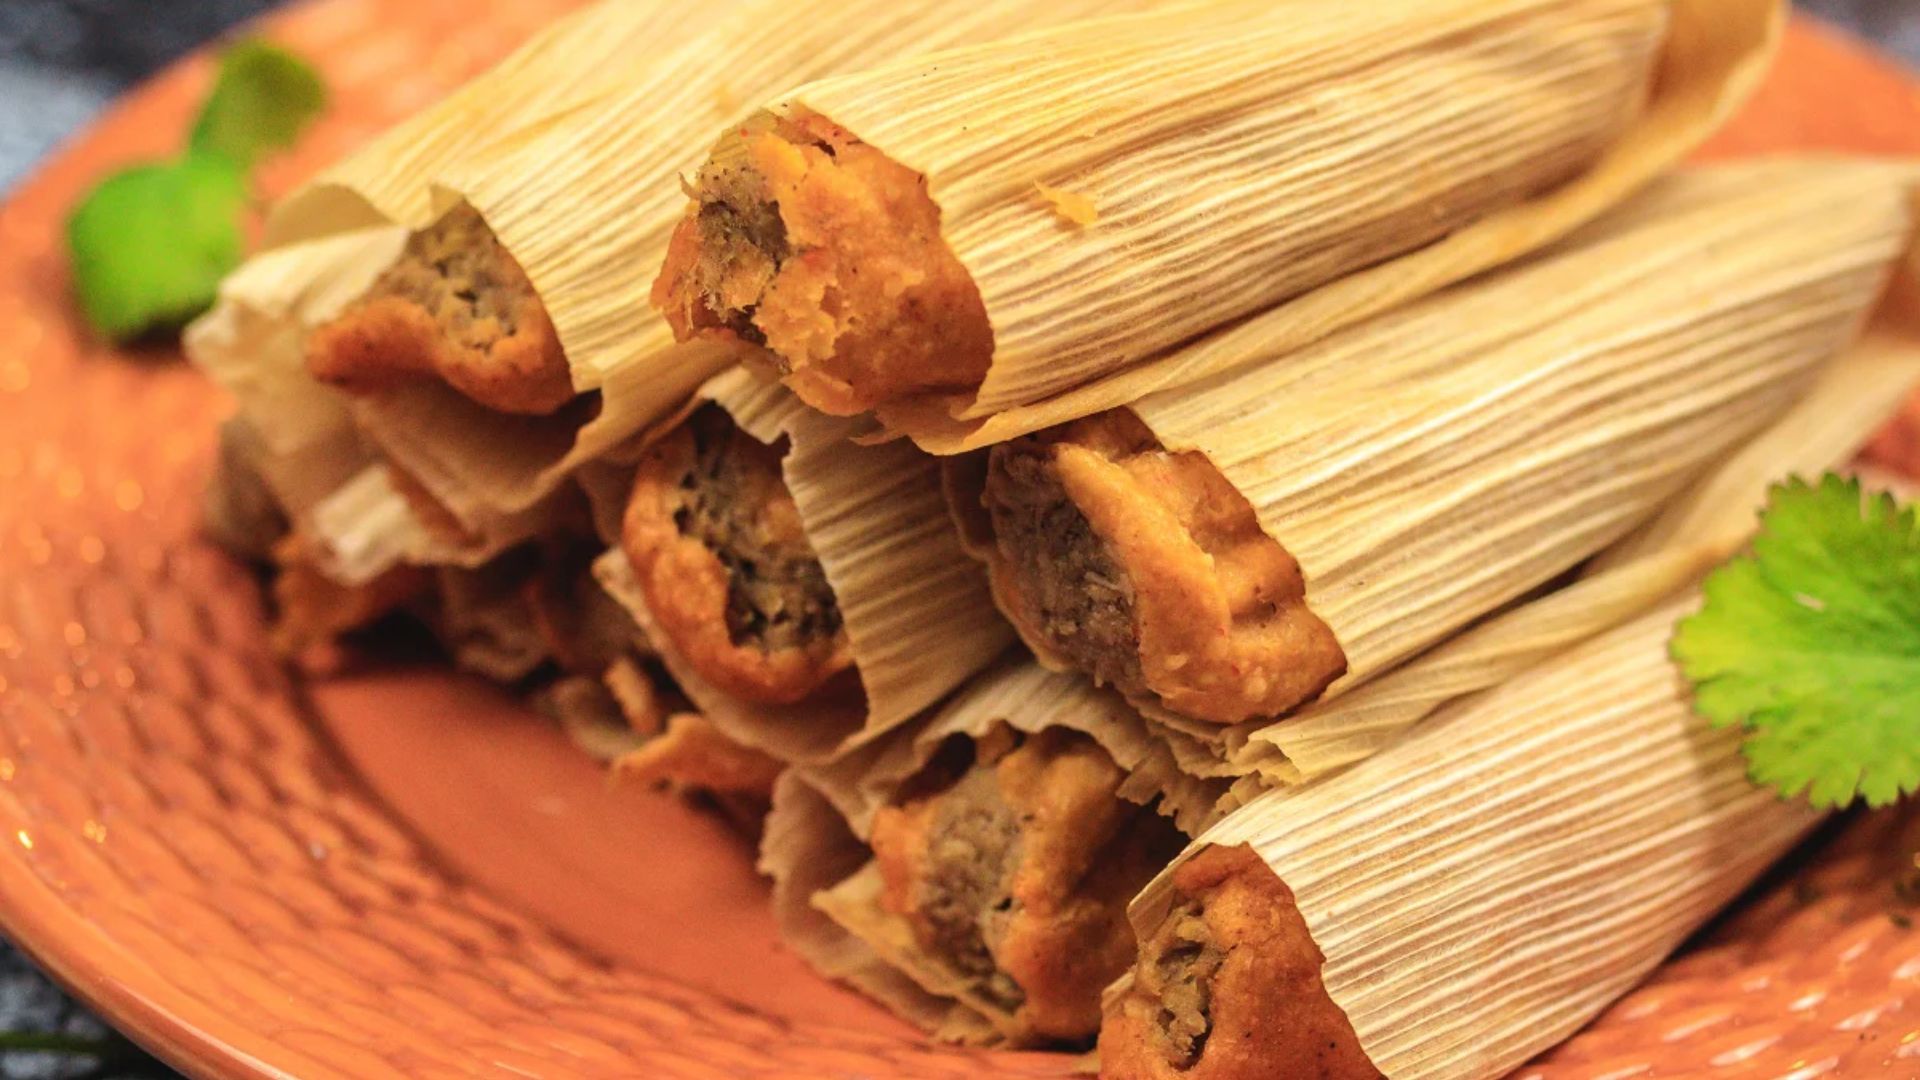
<point x="1033" y="449"/>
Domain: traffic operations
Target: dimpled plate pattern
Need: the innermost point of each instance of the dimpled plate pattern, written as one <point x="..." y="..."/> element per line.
<point x="184" y="842"/>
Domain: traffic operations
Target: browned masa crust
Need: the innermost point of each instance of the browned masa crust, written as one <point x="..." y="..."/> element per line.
<point x="456" y="307"/>
<point x="1228" y="987"/>
<point x="815" y="245"/>
<point x="1148" y="570"/>
<point x="1016" y="874"/>
<point x="724" y="565"/>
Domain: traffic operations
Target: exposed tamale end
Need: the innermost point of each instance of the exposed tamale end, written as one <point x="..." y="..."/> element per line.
<point x="1149" y="571"/>
<point x="1227" y="986"/>
<point x="964" y="869"/>
<point x="807" y="591"/>
<point x="996" y="876"/>
<point x="800" y="209"/>
<point x="456" y="307"/>
<point x="720" y="551"/>
<point x="1014" y="874"/>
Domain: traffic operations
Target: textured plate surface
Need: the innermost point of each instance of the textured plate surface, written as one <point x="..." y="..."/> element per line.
<point x="397" y="871"/>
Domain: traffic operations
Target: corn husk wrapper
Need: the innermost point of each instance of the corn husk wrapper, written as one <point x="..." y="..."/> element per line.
<point x="545" y="81"/>
<point x="1294" y="124"/>
<point x="1694" y="534"/>
<point x="1437" y="463"/>
<point x="1558" y="837"/>
<point x="825" y="890"/>
<point x="586" y="203"/>
<point x="326" y="243"/>
<point x="917" y="613"/>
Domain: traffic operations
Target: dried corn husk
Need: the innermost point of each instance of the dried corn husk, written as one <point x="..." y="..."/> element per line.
<point x="1279" y="114"/>
<point x="1695" y="533"/>
<point x="388" y="182"/>
<point x="1561" y="834"/>
<point x="585" y="202"/>
<point x="917" y="614"/>
<point x="814" y="847"/>
<point x="1431" y="465"/>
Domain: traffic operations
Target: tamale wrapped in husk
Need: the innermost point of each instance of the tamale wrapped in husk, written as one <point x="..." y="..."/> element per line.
<point x="359" y="514"/>
<point x="1228" y="552"/>
<point x="971" y="871"/>
<point x="1461" y="901"/>
<point x="808" y="593"/>
<point x="551" y="238"/>
<point x="1696" y="532"/>
<point x="996" y="239"/>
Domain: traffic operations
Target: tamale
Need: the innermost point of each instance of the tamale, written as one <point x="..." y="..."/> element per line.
<point x="1228" y="552"/>
<point x="1559" y="835"/>
<point x="887" y="238"/>
<point x="1696" y="532"/>
<point x="972" y="872"/>
<point x="807" y="592"/>
<point x="511" y="341"/>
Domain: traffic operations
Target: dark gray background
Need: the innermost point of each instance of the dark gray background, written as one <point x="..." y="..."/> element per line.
<point x="61" y="61"/>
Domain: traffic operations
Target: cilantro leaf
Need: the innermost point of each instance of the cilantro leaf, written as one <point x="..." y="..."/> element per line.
<point x="150" y="244"/>
<point x="1812" y="644"/>
<point x="264" y="98"/>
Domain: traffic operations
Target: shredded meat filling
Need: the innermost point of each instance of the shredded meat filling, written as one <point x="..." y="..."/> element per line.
<point x="1148" y="570"/>
<point x="1184" y="970"/>
<point x="724" y="563"/>
<point x="455" y="307"/>
<point x="814" y="245"/>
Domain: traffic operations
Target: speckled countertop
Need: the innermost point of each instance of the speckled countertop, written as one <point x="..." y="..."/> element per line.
<point x="60" y="62"/>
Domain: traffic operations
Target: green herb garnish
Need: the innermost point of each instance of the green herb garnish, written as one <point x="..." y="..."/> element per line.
<point x="150" y="244"/>
<point x="1811" y="643"/>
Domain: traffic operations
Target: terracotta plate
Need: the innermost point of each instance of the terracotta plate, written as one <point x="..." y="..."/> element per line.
<point x="399" y="871"/>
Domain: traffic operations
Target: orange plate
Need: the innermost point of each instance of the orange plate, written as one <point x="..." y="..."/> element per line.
<point x="397" y="872"/>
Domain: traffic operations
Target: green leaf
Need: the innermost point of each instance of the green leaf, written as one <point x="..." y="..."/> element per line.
<point x="1812" y="644"/>
<point x="150" y="245"/>
<point x="264" y="98"/>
